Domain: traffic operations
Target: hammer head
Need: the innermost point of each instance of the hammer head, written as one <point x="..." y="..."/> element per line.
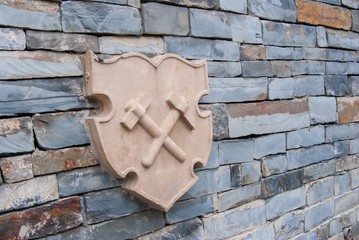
<point x="135" y="109"/>
<point x="177" y="102"/>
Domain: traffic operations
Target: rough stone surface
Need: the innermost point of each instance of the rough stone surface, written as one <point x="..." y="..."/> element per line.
<point x="289" y="225"/>
<point x="79" y="233"/>
<point x="256" y="69"/>
<point x="276" y="10"/>
<point x="270" y="144"/>
<point x="348" y="109"/>
<point x="354" y="85"/>
<point x="236" y="90"/>
<point x="219" y="120"/>
<point x="354" y="177"/>
<point x="320" y="190"/>
<point x="97" y="17"/>
<point x="12" y="39"/>
<point x="257" y="233"/>
<point x="49" y="130"/>
<point x="253" y="52"/>
<point x="355" y="20"/>
<point x="131" y="226"/>
<point x="284" y="34"/>
<point x="347" y="163"/>
<point x="336" y="68"/>
<point x="15" y="169"/>
<point x="228" y="151"/>
<point x="342" y="221"/>
<point x="342" y="132"/>
<point x="288" y="53"/>
<point x="233" y="6"/>
<point x="42" y="221"/>
<point x="281" y="68"/>
<point x="28" y="193"/>
<point x="315" y="13"/>
<point x="285" y="202"/>
<point x="164" y="19"/>
<point x="84" y="180"/>
<point x="320" y="170"/>
<point x="275" y="164"/>
<point x="319" y="213"/>
<point x="322" y="109"/>
<point x="234" y="221"/>
<point x="306" y="137"/>
<point x="192" y="3"/>
<point x="341" y="183"/>
<point x="251" y="172"/>
<point x="236" y="175"/>
<point x="346" y="201"/>
<point x="224" y="69"/>
<point x="278" y="184"/>
<point x="351" y="3"/>
<point x="342" y="39"/>
<point x="267" y="117"/>
<point x="246" y="29"/>
<point x="341" y="148"/>
<point x="354" y="146"/>
<point x="16" y="136"/>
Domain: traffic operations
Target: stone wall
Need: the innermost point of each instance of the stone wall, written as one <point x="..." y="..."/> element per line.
<point x="284" y="91"/>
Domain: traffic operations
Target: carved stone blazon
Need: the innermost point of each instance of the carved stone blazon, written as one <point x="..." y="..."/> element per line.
<point x="150" y="130"/>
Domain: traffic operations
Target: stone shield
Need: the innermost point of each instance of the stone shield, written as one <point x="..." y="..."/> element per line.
<point x="150" y="130"/>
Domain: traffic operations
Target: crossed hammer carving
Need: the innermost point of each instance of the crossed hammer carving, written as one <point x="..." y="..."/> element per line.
<point x="136" y="113"/>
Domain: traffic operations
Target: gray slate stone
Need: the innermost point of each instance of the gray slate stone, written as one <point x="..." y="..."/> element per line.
<point x="224" y="69"/>
<point x="354" y="85"/>
<point x="353" y="68"/>
<point x="246" y="29"/>
<point x="191" y="208"/>
<point x="300" y="68"/>
<point x="270" y="144"/>
<point x="320" y="190"/>
<point x="228" y="90"/>
<point x="232" y="222"/>
<point x="342" y="221"/>
<point x="322" y="39"/>
<point x="342" y="39"/>
<point x="347" y="163"/>
<point x="236" y="151"/>
<point x="239" y="196"/>
<point x="251" y="172"/>
<point x="319" y="213"/>
<point x="281" y="68"/>
<point x="351" y="3"/>
<point x="320" y="170"/>
<point x="236" y="175"/>
<point x="306" y="137"/>
<point x="164" y="19"/>
<point x="341" y="148"/>
<point x="12" y="39"/>
<point x="258" y="233"/>
<point x="316" y="67"/>
<point x="85" y="180"/>
<point x="283" y="10"/>
<point x="239" y="6"/>
<point x="12" y="15"/>
<point x="336" y="68"/>
<point x="355" y="20"/>
<point x="96" y="17"/>
<point x="274" y="164"/>
<point x="129" y="227"/>
<point x="354" y="177"/>
<point x="315" y="53"/>
<point x="16" y="169"/>
<point x="335" y="2"/>
<point x="287" y="53"/>
<point x="289" y="225"/>
<point x="207" y="4"/>
<point x="342" y="183"/>
<point x="307" y="156"/>
<point x="354" y="146"/>
<point x="61" y="41"/>
<point x="219" y="120"/>
<point x="256" y="69"/>
<point x="278" y="184"/>
<point x="285" y="202"/>
<point x="322" y="109"/>
<point x="283" y="34"/>
<point x="80" y="233"/>
<point x="109" y="204"/>
<point x="194" y="48"/>
<point x="342" y="132"/>
<point x="50" y="134"/>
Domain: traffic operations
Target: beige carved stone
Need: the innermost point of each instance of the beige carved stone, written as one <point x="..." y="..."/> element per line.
<point x="150" y="130"/>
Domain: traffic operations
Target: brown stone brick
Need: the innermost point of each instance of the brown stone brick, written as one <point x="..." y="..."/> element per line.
<point x="42" y="221"/>
<point x="17" y="168"/>
<point x="348" y="109"/>
<point x="45" y="162"/>
<point x="253" y="52"/>
<point x="316" y="13"/>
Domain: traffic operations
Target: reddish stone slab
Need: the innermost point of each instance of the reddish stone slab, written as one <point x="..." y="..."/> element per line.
<point x="348" y="109"/>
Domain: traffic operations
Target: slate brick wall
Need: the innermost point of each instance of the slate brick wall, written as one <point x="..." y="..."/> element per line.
<point x="284" y="91"/>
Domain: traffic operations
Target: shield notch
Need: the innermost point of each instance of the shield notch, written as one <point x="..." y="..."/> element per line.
<point x="150" y="130"/>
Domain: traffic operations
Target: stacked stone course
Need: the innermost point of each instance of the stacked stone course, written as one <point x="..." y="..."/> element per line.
<point x="284" y="92"/>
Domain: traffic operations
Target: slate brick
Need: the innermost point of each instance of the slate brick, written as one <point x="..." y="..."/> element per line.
<point x="12" y="39"/>
<point x="342" y="39"/>
<point x="237" y="6"/>
<point x="289" y="225"/>
<point x="49" y="130"/>
<point x="285" y="53"/>
<point x="347" y="163"/>
<point x="257" y="233"/>
<point x="318" y="213"/>
<point x="236" y="175"/>
<point x="322" y="109"/>
<point x="316" y="67"/>
<point x="354" y="85"/>
<point x="164" y="19"/>
<point x="348" y="109"/>
<point x="219" y="120"/>
<point x="236" y="151"/>
<point x="300" y="68"/>
<point x="322" y="39"/>
<point x="351" y="3"/>
<point x="354" y="146"/>
<point x="336" y="68"/>
<point x="342" y="132"/>
<point x="354" y="177"/>
<point x="315" y="53"/>
<point x="306" y="137"/>
<point x="320" y="190"/>
<point x="253" y="52"/>
<point x="281" y="68"/>
<point x="224" y="69"/>
<point x="269" y="144"/>
<point x="274" y="164"/>
<point x="16" y="136"/>
<point x="355" y="20"/>
<point x="43" y="220"/>
<point x="16" y="169"/>
<point x="79" y="233"/>
<point x="28" y="193"/>
<point x="250" y="172"/>
<point x="282" y="10"/>
<point x="246" y="29"/>
<point x="342" y="221"/>
<point x="278" y="184"/>
<point x="85" y="180"/>
<point x="207" y="4"/>
<point x="256" y="69"/>
<point x="94" y="17"/>
<point x="341" y="183"/>
<point x="341" y="148"/>
<point x="346" y="201"/>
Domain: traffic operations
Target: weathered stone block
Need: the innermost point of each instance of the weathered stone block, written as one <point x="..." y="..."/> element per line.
<point x="342" y="39"/>
<point x="165" y="19"/>
<point x="270" y="144"/>
<point x="85" y="180"/>
<point x="285" y="202"/>
<point x="34" y="14"/>
<point x="316" y="67"/>
<point x="130" y="227"/>
<point x="219" y="120"/>
<point x="236" y="175"/>
<point x="50" y="134"/>
<point x="246" y="29"/>
<point x="191" y="229"/>
<point x="342" y="221"/>
<point x="191" y="208"/>
<point x="237" y="197"/>
<point x="355" y="20"/>
<point x="346" y="201"/>
<point x="322" y="39"/>
<point x="341" y="183"/>
<point x="336" y="68"/>
<point x="235" y="90"/>
<point x="354" y="146"/>
<point x="224" y="69"/>
<point x="239" y="6"/>
<point x="15" y="169"/>
<point x="306" y="137"/>
<point x="287" y="53"/>
<point x="28" y="193"/>
<point x="45" y="162"/>
<point x="267" y="117"/>
<point x="347" y="163"/>
<point x="274" y="165"/>
<point x="251" y="172"/>
<point x="351" y="3"/>
<point x="319" y="190"/>
<point x="257" y="233"/>
<point x="353" y="68"/>
<point x="16" y="136"/>
<point x="348" y="109"/>
<point x="354" y="85"/>
<point x="307" y="156"/>
<point x="207" y="4"/>
<point x="320" y="170"/>
<point x="228" y="151"/>
<point x="342" y="132"/>
<point x="342" y="55"/>
<point x="315" y="53"/>
<point x="38" y="64"/>
<point x="110" y="204"/>
<point x="235" y="221"/>
<point x="195" y="48"/>
<point x="79" y="233"/>
<point x="253" y="52"/>
<point x="341" y="148"/>
<point x="289" y="225"/>
<point x="97" y="17"/>
<point x="12" y="39"/>
<point x="281" y="68"/>
<point x="319" y="213"/>
<point x="354" y="177"/>
<point x="300" y="68"/>
<point x="276" y="10"/>
<point x="284" y="34"/>
<point x="315" y="13"/>
<point x="322" y="109"/>
<point x="42" y="221"/>
<point x="256" y="69"/>
<point x="278" y="184"/>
